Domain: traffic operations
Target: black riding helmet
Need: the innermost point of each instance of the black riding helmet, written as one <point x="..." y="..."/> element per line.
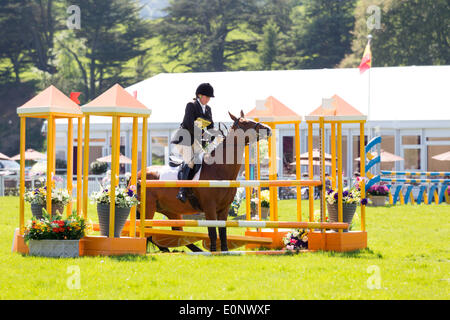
<point x="205" y="89"/>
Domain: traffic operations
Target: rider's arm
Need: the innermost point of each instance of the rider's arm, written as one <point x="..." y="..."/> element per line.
<point x="188" y="120"/>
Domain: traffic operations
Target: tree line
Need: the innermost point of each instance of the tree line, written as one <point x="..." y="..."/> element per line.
<point x="41" y="44"/>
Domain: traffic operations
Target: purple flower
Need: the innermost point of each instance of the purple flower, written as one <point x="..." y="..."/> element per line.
<point x="130" y="192"/>
<point x="364" y="201"/>
<point x="345" y="193"/>
<point x="336" y="196"/>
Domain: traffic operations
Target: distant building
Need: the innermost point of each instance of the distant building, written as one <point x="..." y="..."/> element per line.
<point x="409" y="108"/>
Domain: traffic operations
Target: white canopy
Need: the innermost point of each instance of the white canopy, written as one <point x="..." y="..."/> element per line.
<point x="396" y="93"/>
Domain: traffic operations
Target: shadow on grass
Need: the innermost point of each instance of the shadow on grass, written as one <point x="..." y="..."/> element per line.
<point x="133" y="258"/>
<point x="366" y="253"/>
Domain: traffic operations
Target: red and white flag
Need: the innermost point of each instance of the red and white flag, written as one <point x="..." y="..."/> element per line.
<point x="366" y="61"/>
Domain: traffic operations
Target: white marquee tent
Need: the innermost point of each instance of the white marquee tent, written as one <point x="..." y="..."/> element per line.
<point x="396" y="93"/>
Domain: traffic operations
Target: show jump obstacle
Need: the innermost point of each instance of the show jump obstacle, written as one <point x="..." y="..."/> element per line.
<point x="432" y="189"/>
<point x="335" y="112"/>
<point x="401" y="183"/>
<point x="117" y="103"/>
<point x="50" y="104"/>
<point x="272" y="112"/>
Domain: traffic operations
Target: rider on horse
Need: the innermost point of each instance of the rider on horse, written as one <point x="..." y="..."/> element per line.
<point x="197" y="117"/>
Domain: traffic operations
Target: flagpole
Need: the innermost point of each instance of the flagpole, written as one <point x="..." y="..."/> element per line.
<point x="369" y="131"/>
<point x="366" y="63"/>
<point x="369" y="37"/>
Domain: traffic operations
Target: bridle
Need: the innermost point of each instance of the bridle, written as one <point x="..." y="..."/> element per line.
<point x="236" y="125"/>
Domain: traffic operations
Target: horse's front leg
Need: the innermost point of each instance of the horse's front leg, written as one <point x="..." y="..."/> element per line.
<point x="223" y="239"/>
<point x="222" y="215"/>
<point x="212" y="238"/>
<point x="210" y="214"/>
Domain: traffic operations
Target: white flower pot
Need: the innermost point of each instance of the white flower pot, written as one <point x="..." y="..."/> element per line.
<point x="378" y="201"/>
<point x="55" y="248"/>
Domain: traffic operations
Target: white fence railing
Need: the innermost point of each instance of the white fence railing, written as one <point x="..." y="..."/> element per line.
<point x="10" y="184"/>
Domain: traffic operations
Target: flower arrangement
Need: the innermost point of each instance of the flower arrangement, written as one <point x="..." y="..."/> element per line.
<point x="48" y="228"/>
<point x="235" y="205"/>
<point x="265" y="200"/>
<point x="317" y="216"/>
<point x="98" y="167"/>
<point x="378" y="190"/>
<point x="352" y="195"/>
<point x="296" y="240"/>
<point x="39" y="196"/>
<point x="124" y="197"/>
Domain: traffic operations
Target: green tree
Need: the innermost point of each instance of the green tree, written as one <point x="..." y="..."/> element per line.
<point x="364" y="13"/>
<point x="41" y="23"/>
<point x="111" y="34"/>
<point x="414" y="32"/>
<point x="269" y="45"/>
<point x="320" y="34"/>
<point x="27" y="38"/>
<point x="276" y="10"/>
<point x="13" y="43"/>
<point x="197" y="32"/>
<point x="411" y="33"/>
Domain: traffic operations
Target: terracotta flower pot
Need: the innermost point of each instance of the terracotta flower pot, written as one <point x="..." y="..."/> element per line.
<point x="121" y="216"/>
<point x="348" y="211"/>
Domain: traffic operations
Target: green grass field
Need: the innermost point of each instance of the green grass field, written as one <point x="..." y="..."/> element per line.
<point x="407" y="258"/>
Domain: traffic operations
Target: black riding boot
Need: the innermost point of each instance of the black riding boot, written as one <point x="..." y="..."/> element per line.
<point x="184" y="176"/>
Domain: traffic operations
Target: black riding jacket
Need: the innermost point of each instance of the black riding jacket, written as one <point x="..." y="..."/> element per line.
<point x="192" y="113"/>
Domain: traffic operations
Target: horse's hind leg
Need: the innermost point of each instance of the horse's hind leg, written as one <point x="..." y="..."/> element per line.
<point x="150" y="210"/>
<point x="191" y="246"/>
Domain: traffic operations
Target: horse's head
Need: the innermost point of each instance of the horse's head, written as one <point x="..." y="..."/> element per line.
<point x="253" y="130"/>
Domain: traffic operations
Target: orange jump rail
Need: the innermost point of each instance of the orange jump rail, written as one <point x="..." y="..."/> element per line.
<point x="246" y="224"/>
<point x="230" y="183"/>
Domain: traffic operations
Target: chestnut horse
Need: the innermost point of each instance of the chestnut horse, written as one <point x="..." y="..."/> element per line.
<point x="214" y="202"/>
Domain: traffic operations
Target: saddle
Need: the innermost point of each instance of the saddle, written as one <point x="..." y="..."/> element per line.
<point x="177" y="162"/>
